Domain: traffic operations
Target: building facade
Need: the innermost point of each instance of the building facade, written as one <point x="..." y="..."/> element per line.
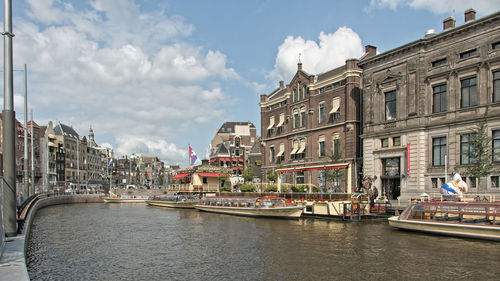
<point x="231" y="146"/>
<point x="421" y="102"/>
<point x="311" y="126"/>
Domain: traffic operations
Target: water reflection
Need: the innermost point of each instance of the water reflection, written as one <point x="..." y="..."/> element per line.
<point x="138" y="242"/>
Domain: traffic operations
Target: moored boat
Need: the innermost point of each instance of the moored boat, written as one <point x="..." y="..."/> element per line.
<point x="267" y="206"/>
<point x="126" y="199"/>
<point x="463" y="219"/>
<point x="174" y="201"/>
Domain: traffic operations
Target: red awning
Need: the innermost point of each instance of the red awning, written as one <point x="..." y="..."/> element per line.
<point x="209" y="174"/>
<point x="180" y="176"/>
<point x="241" y="159"/>
<point x="312" y="169"/>
<point x="234" y="159"/>
<point x="227" y="159"/>
<point x="241" y="168"/>
<point x="213" y="160"/>
<point x="234" y="168"/>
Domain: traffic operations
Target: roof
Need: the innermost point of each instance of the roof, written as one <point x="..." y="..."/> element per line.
<point x="229" y="127"/>
<point x="64" y="130"/>
<point x="220" y="149"/>
<point x="430" y="39"/>
<point x="331" y="73"/>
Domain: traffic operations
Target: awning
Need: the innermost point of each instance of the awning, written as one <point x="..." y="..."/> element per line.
<point x="295" y="147"/>
<point x="335" y="105"/>
<point x="302" y="147"/>
<point x="271" y="123"/>
<point x="342" y="166"/>
<point x="282" y="150"/>
<point x="210" y="174"/>
<point x="281" y="121"/>
<point x="227" y="159"/>
<point x="240" y="159"/>
<point x="180" y="176"/>
<point x="213" y="160"/>
<point x="234" y="159"/>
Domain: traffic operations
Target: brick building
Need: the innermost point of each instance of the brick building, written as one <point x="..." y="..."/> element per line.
<point x="421" y="102"/>
<point x="311" y="126"/>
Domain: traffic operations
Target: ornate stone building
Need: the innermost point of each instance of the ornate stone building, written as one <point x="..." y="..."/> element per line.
<point x="311" y="126"/>
<point x="421" y="102"/>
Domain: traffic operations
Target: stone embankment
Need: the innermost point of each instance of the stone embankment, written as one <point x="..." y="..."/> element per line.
<point x="13" y="252"/>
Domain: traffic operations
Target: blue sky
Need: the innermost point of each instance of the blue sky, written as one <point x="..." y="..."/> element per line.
<point x="153" y="76"/>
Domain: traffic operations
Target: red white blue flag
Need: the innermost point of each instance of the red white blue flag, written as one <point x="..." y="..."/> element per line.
<point x="192" y="156"/>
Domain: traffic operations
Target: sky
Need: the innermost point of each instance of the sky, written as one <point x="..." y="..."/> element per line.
<point x="154" y="76"/>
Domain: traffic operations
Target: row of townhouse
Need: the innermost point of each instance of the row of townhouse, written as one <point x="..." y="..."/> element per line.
<point x="61" y="158"/>
<point x="402" y="118"/>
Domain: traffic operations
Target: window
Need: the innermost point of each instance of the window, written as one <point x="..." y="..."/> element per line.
<point x="434" y="182"/>
<point x="496" y="86"/>
<point x="495" y="181"/>
<point x="205" y="180"/>
<point x="439" y="62"/>
<point x="336" y="146"/>
<point x="336" y="178"/>
<point x="390" y="105"/>
<point x="294" y="95"/>
<point x="439" y="98"/>
<point x="322" y="112"/>
<point x="321" y="179"/>
<point x="304" y="91"/>
<point x="322" y="90"/>
<point x="303" y="117"/>
<point x="296" y="120"/>
<point x="469" y="92"/>
<point x="438" y="151"/>
<point x="466" y="149"/>
<point x="396" y="141"/>
<point x="468" y="54"/>
<point x="384" y="142"/>
<point x="472" y="182"/>
<point x="299" y="179"/>
<point x="496" y="145"/>
<point x="271" y="154"/>
<point x="495" y="45"/>
<point x="321" y="146"/>
<point x="299" y="89"/>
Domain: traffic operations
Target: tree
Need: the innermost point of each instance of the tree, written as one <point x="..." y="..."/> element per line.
<point x="248" y="174"/>
<point x="334" y="175"/>
<point x="480" y="152"/>
<point x="271" y="175"/>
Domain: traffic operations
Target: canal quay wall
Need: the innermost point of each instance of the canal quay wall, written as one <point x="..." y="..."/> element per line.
<point x="13" y="249"/>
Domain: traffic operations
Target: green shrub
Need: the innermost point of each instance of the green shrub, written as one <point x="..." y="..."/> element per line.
<point x="316" y="189"/>
<point x="300" y="188"/>
<point x="271" y="188"/>
<point x="225" y="188"/>
<point x="247" y="188"/>
<point x="286" y="189"/>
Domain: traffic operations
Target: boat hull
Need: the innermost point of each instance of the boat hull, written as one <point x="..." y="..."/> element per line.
<point x="293" y="212"/>
<point x="171" y="204"/>
<point x="478" y="231"/>
<point x="124" y="200"/>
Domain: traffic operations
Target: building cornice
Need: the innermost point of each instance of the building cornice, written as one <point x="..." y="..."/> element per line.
<point x="274" y="101"/>
<point x="334" y="79"/>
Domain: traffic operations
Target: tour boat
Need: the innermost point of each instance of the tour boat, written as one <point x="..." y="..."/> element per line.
<point x="463" y="219"/>
<point x="267" y="206"/>
<point x="174" y="201"/>
<point x="126" y="199"/>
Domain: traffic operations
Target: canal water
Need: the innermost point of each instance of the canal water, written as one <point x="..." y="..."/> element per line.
<point x="139" y="242"/>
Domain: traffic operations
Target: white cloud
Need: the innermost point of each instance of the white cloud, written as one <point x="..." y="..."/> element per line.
<point x="483" y="7"/>
<point x="331" y="51"/>
<point x="125" y="72"/>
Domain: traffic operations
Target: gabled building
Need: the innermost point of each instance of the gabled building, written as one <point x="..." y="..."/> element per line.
<point x="421" y="102"/>
<point x="312" y="125"/>
<point x="231" y="145"/>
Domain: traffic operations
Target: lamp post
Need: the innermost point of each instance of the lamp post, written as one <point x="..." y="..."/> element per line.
<point x="8" y="129"/>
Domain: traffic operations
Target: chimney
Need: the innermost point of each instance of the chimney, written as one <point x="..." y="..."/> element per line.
<point x="263" y="98"/>
<point x="299" y="66"/>
<point x="470" y="14"/>
<point x="370" y="50"/>
<point x="448" y="23"/>
<point x="282" y="84"/>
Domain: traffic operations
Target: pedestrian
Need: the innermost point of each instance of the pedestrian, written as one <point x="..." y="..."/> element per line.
<point x="373" y="196"/>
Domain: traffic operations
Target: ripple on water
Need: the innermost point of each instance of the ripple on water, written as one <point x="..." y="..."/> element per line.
<point x="138" y="242"/>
